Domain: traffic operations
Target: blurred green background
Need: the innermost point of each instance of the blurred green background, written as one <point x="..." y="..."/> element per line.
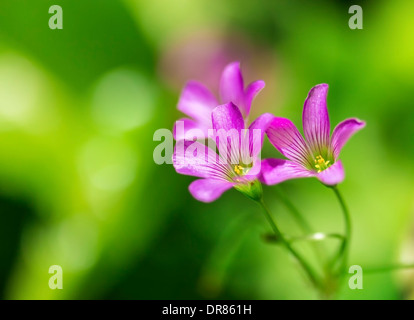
<point x="79" y="107"/>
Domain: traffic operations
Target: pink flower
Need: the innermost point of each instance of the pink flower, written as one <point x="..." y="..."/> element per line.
<point x="197" y="102"/>
<point x="236" y="165"/>
<point x="317" y="156"/>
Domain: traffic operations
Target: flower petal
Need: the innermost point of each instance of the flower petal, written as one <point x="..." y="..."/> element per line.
<point x="195" y="159"/>
<point x="208" y="190"/>
<point x="232" y="87"/>
<point x="197" y="102"/>
<point x="252" y="90"/>
<point x="183" y="126"/>
<point x="315" y="119"/>
<point x="255" y="140"/>
<point x="333" y="175"/>
<point x="228" y="123"/>
<point x="343" y="131"/>
<point x="286" y="138"/>
<point x="278" y="170"/>
<point x="227" y="117"/>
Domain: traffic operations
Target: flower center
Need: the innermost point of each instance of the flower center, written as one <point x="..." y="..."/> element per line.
<point x="240" y="170"/>
<point x="321" y="164"/>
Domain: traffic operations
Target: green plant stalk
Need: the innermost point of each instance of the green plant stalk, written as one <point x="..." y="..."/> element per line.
<point x="313" y="237"/>
<point x="304" y="225"/>
<point x="343" y="253"/>
<point x="301" y="221"/>
<point x="396" y="267"/>
<point x="311" y="274"/>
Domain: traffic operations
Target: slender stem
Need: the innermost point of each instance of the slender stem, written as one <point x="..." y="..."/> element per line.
<point x="389" y="268"/>
<point x="306" y="228"/>
<point x="313" y="237"/>
<point x="344" y="249"/>
<point x="319" y="236"/>
<point x="304" y="225"/>
<point x="286" y="243"/>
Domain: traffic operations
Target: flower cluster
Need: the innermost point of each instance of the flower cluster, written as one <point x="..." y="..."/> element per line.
<point x="232" y="157"/>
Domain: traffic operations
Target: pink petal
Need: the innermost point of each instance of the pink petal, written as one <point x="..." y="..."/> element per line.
<point x="343" y="131"/>
<point x="252" y="90"/>
<point x="228" y="123"/>
<point x="195" y="159"/>
<point x="333" y="175"/>
<point x="315" y="118"/>
<point x="278" y="170"/>
<point x="208" y="190"/>
<point x="232" y="87"/>
<point x="227" y="117"/>
<point x="256" y="141"/>
<point x="183" y="126"/>
<point x="255" y="170"/>
<point x="197" y="102"/>
<point x="286" y="138"/>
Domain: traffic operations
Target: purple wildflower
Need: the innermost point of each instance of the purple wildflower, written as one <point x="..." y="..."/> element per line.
<point x="317" y="156"/>
<point x="197" y="102"/>
<point x="228" y="168"/>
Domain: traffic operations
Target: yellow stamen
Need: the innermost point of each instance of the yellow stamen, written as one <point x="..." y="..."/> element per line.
<point x="321" y="164"/>
<point x="238" y="169"/>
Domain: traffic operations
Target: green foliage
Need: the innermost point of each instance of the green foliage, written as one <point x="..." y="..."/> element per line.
<point x="78" y="185"/>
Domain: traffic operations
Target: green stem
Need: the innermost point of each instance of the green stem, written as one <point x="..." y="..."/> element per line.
<point x="389" y="268"/>
<point x="306" y="228"/>
<point x="319" y="236"/>
<point x="343" y="253"/>
<point x="286" y="243"/>
<point x="304" y="225"/>
<point x="313" y="237"/>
